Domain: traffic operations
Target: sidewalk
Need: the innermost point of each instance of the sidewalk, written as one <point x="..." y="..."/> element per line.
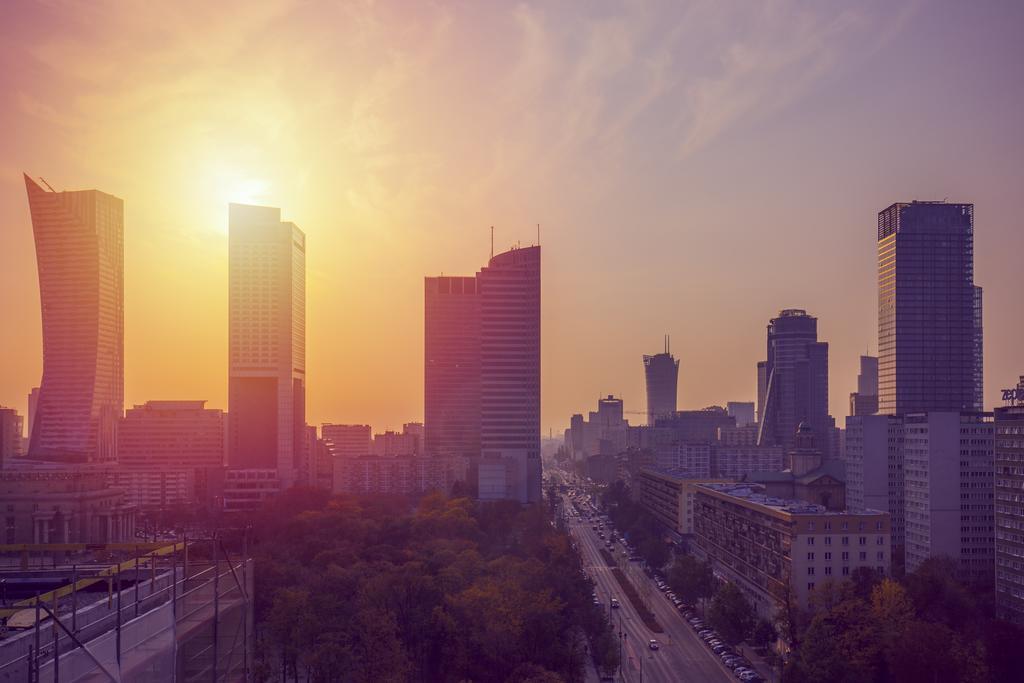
<point x="758" y="663"/>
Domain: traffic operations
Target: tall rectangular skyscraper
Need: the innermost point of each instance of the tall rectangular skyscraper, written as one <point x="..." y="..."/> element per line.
<point x="929" y="311"/>
<point x="795" y="382"/>
<point x="267" y="341"/>
<point x="482" y="372"/>
<point x="510" y="370"/>
<point x="80" y="252"/>
<point x="661" y="375"/>
<point x="451" y="366"/>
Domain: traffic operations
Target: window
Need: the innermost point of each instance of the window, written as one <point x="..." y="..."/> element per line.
<point x="810" y="586"/>
<point x="846" y="540"/>
<point x="880" y="540"/>
<point x="828" y="571"/>
<point x="881" y="555"/>
<point x="846" y="556"/>
<point x="810" y="571"/>
<point x="863" y="540"/>
<point x="828" y="540"/>
<point x="846" y="571"/>
<point x="810" y="540"/>
<point x="863" y="557"/>
<point x="828" y="556"/>
<point x="810" y="556"/>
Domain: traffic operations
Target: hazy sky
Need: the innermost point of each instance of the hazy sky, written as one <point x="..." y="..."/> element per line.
<point x="694" y="166"/>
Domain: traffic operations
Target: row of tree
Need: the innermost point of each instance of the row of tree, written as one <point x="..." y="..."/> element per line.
<point x="927" y="627"/>
<point x="636" y="525"/>
<point x="371" y="590"/>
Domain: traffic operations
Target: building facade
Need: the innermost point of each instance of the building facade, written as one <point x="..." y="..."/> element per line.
<point x="929" y="311"/>
<point x="267" y="342"/>
<point x="948" y="491"/>
<point x="795" y="381"/>
<point x="864" y="401"/>
<point x="779" y="551"/>
<point x="451" y="366"/>
<point x="10" y="436"/>
<point x="874" y="471"/>
<point x="734" y="462"/>
<point x="164" y="449"/>
<point x="742" y="412"/>
<point x="79" y="240"/>
<point x="401" y="475"/>
<point x="1009" y="505"/>
<point x="661" y="375"/>
<point x="669" y="496"/>
<point x="63" y="505"/>
<point x="349" y="441"/>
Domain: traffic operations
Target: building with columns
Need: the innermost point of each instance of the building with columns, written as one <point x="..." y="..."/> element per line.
<point x="63" y="505"/>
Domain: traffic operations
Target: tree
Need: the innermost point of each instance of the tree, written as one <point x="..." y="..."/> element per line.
<point x="691" y="579"/>
<point x="731" y="614"/>
<point x="764" y="633"/>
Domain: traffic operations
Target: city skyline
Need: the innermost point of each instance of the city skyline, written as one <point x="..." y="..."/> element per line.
<point x="391" y="215"/>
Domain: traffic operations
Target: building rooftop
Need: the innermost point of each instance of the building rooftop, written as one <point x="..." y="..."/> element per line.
<point x="753" y="493"/>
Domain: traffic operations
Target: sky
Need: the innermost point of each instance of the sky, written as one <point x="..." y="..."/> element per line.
<point x="695" y="167"/>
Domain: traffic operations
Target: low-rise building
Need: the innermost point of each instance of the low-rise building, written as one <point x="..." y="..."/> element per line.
<point x="668" y="496"/>
<point x="398" y="475"/>
<point x="46" y="503"/>
<point x="778" y="551"/>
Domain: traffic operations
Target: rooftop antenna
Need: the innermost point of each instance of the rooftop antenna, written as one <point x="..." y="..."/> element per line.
<point x="538" y="234"/>
<point x="492" y="241"/>
<point x="46" y="183"/>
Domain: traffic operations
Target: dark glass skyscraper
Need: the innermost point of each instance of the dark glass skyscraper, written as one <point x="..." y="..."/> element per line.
<point x="796" y="382"/>
<point x="451" y="366"/>
<point x="929" y="311"/>
<point x="80" y="250"/>
<point x="661" y="373"/>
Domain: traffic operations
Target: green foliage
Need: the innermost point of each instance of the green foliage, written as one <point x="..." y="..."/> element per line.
<point x="371" y="590"/>
<point x="764" y="633"/>
<point x="730" y="614"/>
<point x="927" y="628"/>
<point x="636" y="524"/>
<point x="691" y="579"/>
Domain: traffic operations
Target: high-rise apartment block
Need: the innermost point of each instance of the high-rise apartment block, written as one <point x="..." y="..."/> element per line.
<point x="874" y="470"/>
<point x="507" y="342"/>
<point x="948" y="491"/>
<point x="929" y="310"/>
<point x="1009" y="505"/>
<point x="795" y="382"/>
<point x="661" y="373"/>
<point x="79" y="240"/>
<point x="267" y="342"/>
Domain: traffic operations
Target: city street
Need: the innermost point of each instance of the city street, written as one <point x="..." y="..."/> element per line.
<point x="681" y="657"/>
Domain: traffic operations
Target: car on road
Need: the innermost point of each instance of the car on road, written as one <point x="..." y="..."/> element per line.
<point x="615" y="603"/>
<point x="653" y="644"/>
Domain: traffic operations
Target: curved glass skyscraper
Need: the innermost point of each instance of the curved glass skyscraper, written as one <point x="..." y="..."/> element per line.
<point x="79" y="240"/>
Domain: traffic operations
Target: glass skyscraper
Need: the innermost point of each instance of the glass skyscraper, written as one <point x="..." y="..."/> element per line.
<point x="661" y="375"/>
<point x="267" y="341"/>
<point x="929" y="311"/>
<point x="80" y="251"/>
